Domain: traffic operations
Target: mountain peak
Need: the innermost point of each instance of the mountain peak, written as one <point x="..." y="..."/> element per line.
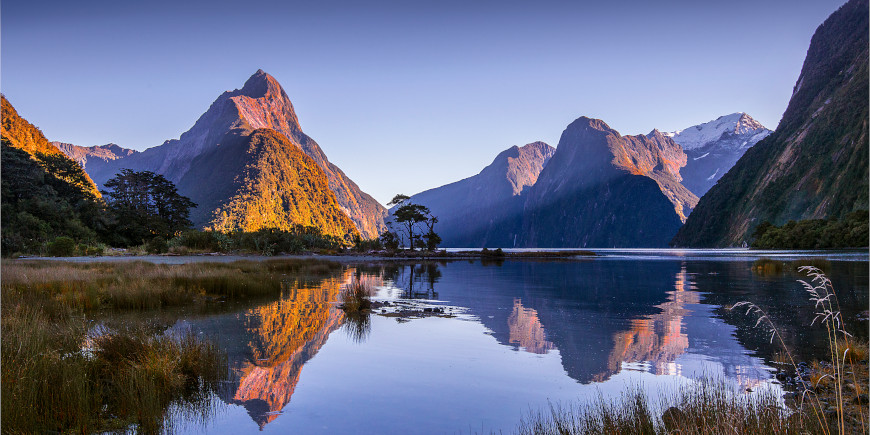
<point x="259" y="85"/>
<point x="585" y="122"/>
<point x="738" y="123"/>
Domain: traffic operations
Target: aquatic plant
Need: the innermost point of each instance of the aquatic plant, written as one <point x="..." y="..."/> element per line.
<point x="842" y="350"/>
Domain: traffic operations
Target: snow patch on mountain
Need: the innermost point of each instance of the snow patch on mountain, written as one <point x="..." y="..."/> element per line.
<point x="735" y="124"/>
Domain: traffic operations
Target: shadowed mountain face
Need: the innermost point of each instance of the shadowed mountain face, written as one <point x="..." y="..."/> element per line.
<point x="601" y="189"/>
<point x="714" y="147"/>
<point x="95" y="157"/>
<point x="815" y="165"/>
<point x="260" y="104"/>
<point x="486" y="209"/>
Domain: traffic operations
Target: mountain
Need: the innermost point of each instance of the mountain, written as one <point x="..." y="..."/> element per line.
<point x="602" y="189"/>
<point x="275" y="185"/>
<point x="97" y="155"/>
<point x="487" y="209"/>
<point x="22" y="134"/>
<point x="25" y="136"/>
<point x="44" y="194"/>
<point x="815" y="165"/>
<point x="714" y="147"/>
<point x="260" y="104"/>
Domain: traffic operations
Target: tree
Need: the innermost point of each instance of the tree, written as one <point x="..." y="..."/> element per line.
<point x="146" y="205"/>
<point x="389" y="240"/>
<point x="411" y="215"/>
<point x="432" y="239"/>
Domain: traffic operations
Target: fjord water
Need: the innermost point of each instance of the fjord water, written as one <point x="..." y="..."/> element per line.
<point x="514" y="336"/>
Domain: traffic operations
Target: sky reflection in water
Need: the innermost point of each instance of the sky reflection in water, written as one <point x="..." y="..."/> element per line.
<point x="515" y="335"/>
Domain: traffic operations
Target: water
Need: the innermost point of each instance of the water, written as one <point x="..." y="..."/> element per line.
<point x="514" y="336"/>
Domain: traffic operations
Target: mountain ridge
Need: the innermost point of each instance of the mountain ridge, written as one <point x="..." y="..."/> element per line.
<point x="815" y="165"/>
<point x="714" y="147"/>
<point x="486" y="208"/>
<point x="260" y="103"/>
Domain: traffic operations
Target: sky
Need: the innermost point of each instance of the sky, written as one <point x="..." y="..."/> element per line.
<point x="403" y="95"/>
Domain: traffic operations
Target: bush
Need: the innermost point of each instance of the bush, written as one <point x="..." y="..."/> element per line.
<point x="157" y="245"/>
<point x="62" y="247"/>
<point x="89" y="250"/>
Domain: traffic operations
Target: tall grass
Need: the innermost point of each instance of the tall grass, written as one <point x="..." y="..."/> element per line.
<point x="843" y="350"/>
<point x="355" y="300"/>
<point x="57" y="378"/>
<point x="716" y="408"/>
<point x="61" y="375"/>
<point x="146" y="286"/>
<point x="707" y="407"/>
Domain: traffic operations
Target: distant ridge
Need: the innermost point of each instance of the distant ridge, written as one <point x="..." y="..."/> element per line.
<point x="97" y="155"/>
<point x="714" y="147"/>
<point x="487" y="209"/>
<point x="602" y="189"/>
<point x="815" y="165"/>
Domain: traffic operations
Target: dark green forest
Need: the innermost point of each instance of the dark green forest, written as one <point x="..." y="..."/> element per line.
<point x="850" y="232"/>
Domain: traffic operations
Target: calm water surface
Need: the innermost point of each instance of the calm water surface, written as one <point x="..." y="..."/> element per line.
<point x="514" y="336"/>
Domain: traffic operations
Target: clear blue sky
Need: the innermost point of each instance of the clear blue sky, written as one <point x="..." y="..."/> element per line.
<point x="403" y="95"/>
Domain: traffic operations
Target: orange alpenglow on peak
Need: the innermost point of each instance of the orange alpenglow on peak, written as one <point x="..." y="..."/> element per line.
<point x="23" y="135"/>
<point x="205" y="161"/>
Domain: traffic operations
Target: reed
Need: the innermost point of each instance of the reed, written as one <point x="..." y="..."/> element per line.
<point x="827" y="377"/>
<point x="58" y="377"/>
<point x="59" y="374"/>
<point x="704" y="407"/>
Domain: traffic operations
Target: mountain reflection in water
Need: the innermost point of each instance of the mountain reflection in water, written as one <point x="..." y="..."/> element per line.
<point x="284" y="335"/>
<point x="600" y="320"/>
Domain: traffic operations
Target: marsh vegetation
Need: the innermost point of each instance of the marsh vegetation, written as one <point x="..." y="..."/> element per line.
<point x="68" y="366"/>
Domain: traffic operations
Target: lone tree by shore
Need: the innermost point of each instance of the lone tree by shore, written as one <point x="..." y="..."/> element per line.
<point x="409" y="215"/>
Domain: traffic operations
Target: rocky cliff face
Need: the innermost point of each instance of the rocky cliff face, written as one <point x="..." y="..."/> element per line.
<point x="260" y="104"/>
<point x="714" y="147"/>
<point x="486" y="209"/>
<point x="97" y="155"/>
<point x="815" y="165"/>
<point x="601" y="189"/>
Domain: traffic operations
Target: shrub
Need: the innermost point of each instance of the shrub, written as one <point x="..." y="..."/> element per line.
<point x="157" y="245"/>
<point x="62" y="247"/>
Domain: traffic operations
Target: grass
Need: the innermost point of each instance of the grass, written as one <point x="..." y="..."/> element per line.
<point x="706" y="407"/>
<point x="355" y="301"/>
<point x="829" y="402"/>
<point x="61" y="374"/>
<point x="834" y="402"/>
<point x="58" y="377"/>
<point x="146" y="286"/>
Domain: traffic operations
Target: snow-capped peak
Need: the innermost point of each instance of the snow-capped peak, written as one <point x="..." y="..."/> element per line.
<point x="739" y="124"/>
